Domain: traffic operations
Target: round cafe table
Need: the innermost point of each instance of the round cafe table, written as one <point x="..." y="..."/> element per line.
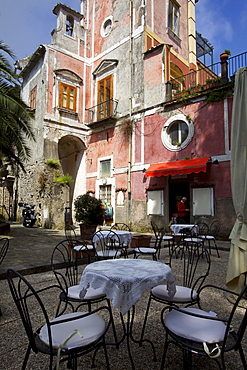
<point x="124" y="281"/>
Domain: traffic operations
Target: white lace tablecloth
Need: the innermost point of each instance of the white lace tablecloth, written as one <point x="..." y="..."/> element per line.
<point x="124" y="236"/>
<point x="176" y="228"/>
<point x="124" y="281"/>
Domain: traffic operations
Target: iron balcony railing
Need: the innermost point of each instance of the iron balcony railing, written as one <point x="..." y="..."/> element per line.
<point x="102" y="111"/>
<point x="207" y="76"/>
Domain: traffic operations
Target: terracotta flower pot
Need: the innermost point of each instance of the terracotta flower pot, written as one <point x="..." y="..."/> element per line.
<point x="224" y="57"/>
<point x="87" y="231"/>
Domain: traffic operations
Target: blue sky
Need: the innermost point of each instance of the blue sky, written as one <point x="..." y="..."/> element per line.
<point x="25" y="24"/>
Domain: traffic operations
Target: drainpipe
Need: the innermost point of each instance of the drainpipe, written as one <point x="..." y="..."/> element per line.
<point x="130" y="110"/>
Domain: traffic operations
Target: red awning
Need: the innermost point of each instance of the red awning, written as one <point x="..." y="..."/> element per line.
<point x="188" y="166"/>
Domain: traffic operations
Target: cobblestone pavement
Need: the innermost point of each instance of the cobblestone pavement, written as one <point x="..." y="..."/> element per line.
<point x="30" y="251"/>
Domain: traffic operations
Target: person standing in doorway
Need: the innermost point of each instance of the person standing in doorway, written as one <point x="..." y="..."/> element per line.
<point x="183" y="210"/>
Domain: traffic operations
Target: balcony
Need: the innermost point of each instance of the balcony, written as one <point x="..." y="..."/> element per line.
<point x="106" y="110"/>
<point x="205" y="78"/>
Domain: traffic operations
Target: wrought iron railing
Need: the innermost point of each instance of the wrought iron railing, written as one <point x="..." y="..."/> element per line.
<point x="207" y="76"/>
<point x="102" y="111"/>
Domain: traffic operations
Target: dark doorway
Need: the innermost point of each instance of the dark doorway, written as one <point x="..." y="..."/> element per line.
<point x="177" y="190"/>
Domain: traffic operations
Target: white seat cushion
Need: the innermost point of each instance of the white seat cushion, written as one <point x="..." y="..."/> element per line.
<point x="109" y="253"/>
<point x="210" y="237"/>
<point x="194" y="239"/>
<point x="167" y="237"/>
<point x="81" y="248"/>
<point x="195" y="328"/>
<point x="183" y="294"/>
<point x="145" y="250"/>
<point x="90" y="294"/>
<point x="91" y="327"/>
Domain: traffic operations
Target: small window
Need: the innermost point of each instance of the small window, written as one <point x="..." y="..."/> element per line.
<point x="155" y="202"/>
<point x="173" y="16"/>
<point x="67" y="97"/>
<point x="105" y="93"/>
<point x="33" y="98"/>
<point x="106" y="27"/>
<point x="105" y="168"/>
<point x="177" y="132"/>
<point x="69" y="25"/>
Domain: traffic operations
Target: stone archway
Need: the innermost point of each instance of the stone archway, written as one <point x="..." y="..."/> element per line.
<point x="71" y="156"/>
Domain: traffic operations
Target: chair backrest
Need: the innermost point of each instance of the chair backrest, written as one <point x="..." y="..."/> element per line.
<point x="203" y="228"/>
<point x="190" y="263"/>
<point x="62" y="258"/>
<point x="239" y="315"/>
<point x="29" y="304"/>
<point x="120" y="226"/>
<point x="69" y="232"/>
<point x="230" y="306"/>
<point x="180" y="221"/>
<point x="157" y="230"/>
<point x="106" y="241"/>
<point x="4" y="246"/>
<point x="214" y="228"/>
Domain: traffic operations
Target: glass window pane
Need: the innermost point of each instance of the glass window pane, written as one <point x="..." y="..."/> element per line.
<point x="178" y="132"/>
<point x="105" y="168"/>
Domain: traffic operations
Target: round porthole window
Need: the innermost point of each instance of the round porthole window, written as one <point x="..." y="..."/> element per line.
<point x="106" y="26"/>
<point x="177" y="132"/>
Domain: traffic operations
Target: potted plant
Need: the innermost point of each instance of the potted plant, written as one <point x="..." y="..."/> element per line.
<point x="225" y="55"/>
<point x="89" y="212"/>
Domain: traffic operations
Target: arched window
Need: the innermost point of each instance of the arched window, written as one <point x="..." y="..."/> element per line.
<point x="177" y="77"/>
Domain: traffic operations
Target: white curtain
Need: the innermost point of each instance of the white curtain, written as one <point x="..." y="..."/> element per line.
<point x="237" y="264"/>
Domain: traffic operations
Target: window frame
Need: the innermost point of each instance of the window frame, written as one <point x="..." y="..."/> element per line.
<point x="100" y="170"/>
<point x="155" y="202"/>
<point x="165" y="135"/>
<point x="173" y="6"/>
<point x="105" y="96"/>
<point x="32" y="98"/>
<point x="67" y="94"/>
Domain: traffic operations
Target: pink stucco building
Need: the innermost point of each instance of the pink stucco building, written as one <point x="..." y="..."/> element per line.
<point x="107" y="99"/>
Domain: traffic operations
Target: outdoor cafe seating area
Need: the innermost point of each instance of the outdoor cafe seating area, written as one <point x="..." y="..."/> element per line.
<point x="132" y="292"/>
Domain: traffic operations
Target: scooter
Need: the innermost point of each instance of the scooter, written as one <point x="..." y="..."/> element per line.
<point x="28" y="215"/>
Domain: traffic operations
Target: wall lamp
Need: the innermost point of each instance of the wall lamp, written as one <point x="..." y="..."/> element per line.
<point x="216" y="161"/>
<point x="144" y="170"/>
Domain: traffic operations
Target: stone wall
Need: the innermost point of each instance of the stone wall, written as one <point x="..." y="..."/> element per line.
<point x="38" y="187"/>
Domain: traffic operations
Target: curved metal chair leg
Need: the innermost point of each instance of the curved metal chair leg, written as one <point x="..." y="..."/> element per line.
<point x="145" y="318"/>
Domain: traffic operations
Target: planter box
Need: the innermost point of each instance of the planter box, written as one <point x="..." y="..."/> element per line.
<point x="79" y="255"/>
<point x="4" y="228"/>
<point x="87" y="231"/>
<point x="141" y="241"/>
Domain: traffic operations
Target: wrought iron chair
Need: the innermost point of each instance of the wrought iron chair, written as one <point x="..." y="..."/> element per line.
<point x="150" y="249"/>
<point x="122" y="227"/>
<point x="167" y="239"/>
<point x="211" y="236"/>
<point x="203" y="229"/>
<point x="190" y="265"/>
<point x="78" y="246"/>
<point x="4" y="246"/>
<point x="68" y="280"/>
<point x="66" y="337"/>
<point x="204" y="332"/>
<point x="107" y="245"/>
<point x="194" y="236"/>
